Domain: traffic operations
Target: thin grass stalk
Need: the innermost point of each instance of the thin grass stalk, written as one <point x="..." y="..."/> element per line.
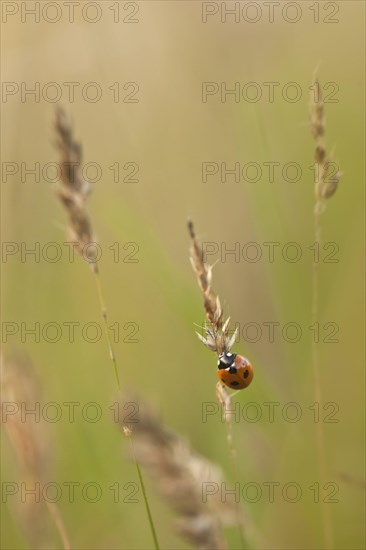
<point x="73" y="193"/>
<point x="320" y="440"/>
<point x="59" y="524"/>
<point x="104" y="314"/>
<point x="128" y="434"/>
<point x="225" y="401"/>
<point x="324" y="189"/>
<point x="217" y="339"/>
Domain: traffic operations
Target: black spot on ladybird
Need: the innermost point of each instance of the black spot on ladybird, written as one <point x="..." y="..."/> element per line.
<point x="234" y="383"/>
<point x="246" y="374"/>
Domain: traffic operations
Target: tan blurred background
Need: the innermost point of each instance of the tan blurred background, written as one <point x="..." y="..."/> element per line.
<point x="169" y="133"/>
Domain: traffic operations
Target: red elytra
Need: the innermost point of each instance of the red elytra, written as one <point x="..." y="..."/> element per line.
<point x="238" y="375"/>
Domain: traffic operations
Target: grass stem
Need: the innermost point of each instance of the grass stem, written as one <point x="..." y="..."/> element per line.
<point x="320" y="443"/>
<point x="234" y="465"/>
<point x="59" y="524"/>
<point x="104" y="314"/>
<point x="146" y="500"/>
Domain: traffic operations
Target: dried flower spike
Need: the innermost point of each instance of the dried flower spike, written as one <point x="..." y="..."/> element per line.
<point x="326" y="179"/>
<point x="74" y="189"/>
<point x="217" y="336"/>
<point x="20" y="392"/>
<point x="181" y="476"/>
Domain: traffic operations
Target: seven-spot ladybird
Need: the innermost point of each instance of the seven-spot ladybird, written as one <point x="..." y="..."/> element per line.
<point x="235" y="371"/>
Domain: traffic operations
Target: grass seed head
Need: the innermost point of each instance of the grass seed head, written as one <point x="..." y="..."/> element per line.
<point x="179" y="475"/>
<point x="20" y="392"/>
<point x="217" y="334"/>
<point x="74" y="190"/>
<point x="325" y="185"/>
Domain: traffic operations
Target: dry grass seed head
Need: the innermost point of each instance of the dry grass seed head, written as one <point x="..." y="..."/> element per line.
<point x="217" y="337"/>
<point x="20" y="392"/>
<point x="325" y="184"/>
<point x="74" y="189"/>
<point x="203" y="273"/>
<point x="179" y="475"/>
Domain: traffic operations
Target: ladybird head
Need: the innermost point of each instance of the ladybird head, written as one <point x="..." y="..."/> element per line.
<point x="226" y="360"/>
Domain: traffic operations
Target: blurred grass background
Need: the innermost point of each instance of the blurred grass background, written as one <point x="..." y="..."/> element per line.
<point x="169" y="133"/>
